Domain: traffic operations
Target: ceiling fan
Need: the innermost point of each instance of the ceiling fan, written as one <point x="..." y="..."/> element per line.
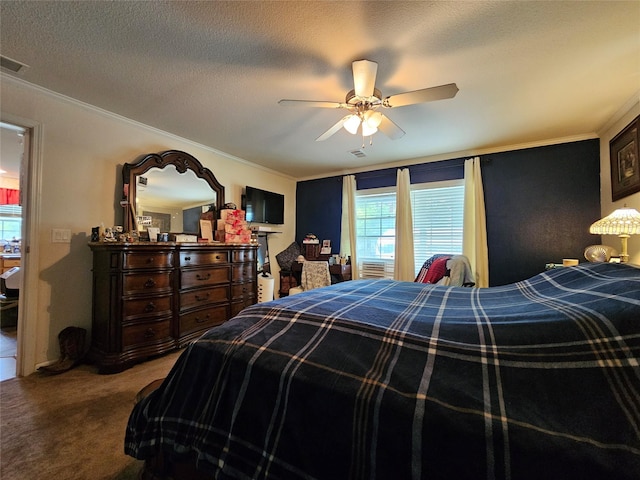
<point x="364" y="101"/>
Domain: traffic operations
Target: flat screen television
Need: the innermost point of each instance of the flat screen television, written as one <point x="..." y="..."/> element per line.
<point x="263" y="207"/>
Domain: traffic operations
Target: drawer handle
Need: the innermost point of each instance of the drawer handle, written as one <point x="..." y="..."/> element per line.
<point x="150" y="333"/>
<point x="187" y="259"/>
<point x="201" y="298"/>
<point x="218" y="257"/>
<point x="150" y="283"/>
<point x="150" y="260"/>
<point x="203" y="277"/>
<point x="150" y="307"/>
<point x="202" y="320"/>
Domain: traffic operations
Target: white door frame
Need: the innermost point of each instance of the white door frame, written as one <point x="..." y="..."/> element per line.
<point x="31" y="176"/>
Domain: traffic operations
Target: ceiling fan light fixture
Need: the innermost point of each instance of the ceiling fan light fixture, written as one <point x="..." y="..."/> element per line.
<point x="372" y="119"/>
<point x="352" y="124"/>
<point x="367" y="129"/>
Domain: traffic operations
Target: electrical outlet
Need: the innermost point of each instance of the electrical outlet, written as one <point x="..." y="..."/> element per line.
<point x="60" y="235"/>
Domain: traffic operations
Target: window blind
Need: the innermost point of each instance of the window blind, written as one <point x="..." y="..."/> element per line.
<point x="438" y="215"/>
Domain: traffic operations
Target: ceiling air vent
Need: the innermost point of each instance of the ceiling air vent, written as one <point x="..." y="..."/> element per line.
<point x="12" y="65"/>
<point x="358" y="153"/>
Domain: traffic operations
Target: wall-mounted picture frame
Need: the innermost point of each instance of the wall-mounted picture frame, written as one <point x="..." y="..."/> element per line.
<point x="625" y="164"/>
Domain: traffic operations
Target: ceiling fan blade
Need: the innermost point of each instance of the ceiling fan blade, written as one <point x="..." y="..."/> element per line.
<point x="311" y="103"/>
<point x="390" y="129"/>
<point x="421" y="96"/>
<point x="364" y="77"/>
<point x="333" y="129"/>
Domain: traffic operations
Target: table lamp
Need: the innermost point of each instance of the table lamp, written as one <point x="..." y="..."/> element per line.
<point x="623" y="222"/>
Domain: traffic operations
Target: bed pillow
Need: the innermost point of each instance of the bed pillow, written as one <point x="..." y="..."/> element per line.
<point x="288" y="256"/>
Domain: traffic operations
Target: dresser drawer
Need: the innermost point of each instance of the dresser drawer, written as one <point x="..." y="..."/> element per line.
<point x="198" y="257"/>
<point x="137" y="335"/>
<point x="147" y="282"/>
<point x="147" y="306"/>
<point x="148" y="260"/>
<point x="203" y="296"/>
<point x="243" y="290"/>
<point x="244" y="256"/>
<point x="238" y="306"/>
<point x="203" y="319"/>
<point x="204" y="276"/>
<point x="244" y="272"/>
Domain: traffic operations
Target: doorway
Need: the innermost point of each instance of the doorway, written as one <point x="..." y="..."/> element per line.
<point x="14" y="148"/>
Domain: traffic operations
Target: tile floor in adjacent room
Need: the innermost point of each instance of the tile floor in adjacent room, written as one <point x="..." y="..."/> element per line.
<point x="8" y="342"/>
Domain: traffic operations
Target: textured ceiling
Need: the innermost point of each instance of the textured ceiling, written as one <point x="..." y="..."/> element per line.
<point x="213" y="72"/>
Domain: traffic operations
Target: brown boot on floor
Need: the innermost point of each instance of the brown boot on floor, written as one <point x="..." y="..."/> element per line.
<point x="71" y="341"/>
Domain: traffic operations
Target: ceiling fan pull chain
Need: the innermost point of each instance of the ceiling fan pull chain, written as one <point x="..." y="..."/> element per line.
<point x="370" y="141"/>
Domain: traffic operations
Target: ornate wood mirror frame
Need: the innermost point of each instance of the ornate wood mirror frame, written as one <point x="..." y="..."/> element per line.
<point x="183" y="163"/>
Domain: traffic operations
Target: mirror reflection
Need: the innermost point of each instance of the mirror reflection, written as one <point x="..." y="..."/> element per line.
<point x="172" y="201"/>
<point x="168" y="192"/>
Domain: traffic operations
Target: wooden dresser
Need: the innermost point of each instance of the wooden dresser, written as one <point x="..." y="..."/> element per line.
<point x="150" y="298"/>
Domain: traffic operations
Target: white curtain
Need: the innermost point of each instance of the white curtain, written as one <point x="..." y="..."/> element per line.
<point x="404" y="267"/>
<point x="474" y="243"/>
<point x="348" y="223"/>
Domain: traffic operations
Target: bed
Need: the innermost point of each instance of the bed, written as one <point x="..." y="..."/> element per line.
<point x="378" y="379"/>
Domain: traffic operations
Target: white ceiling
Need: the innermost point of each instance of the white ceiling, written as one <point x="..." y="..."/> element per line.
<point x="213" y="71"/>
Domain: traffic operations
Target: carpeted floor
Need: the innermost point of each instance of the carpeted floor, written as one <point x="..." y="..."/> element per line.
<point x="71" y="426"/>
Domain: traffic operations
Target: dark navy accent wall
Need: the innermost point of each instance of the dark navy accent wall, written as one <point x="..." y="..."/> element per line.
<point x="319" y="210"/>
<point x="539" y="204"/>
<point x="420" y="173"/>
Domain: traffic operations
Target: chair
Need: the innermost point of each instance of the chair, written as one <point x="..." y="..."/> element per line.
<point x="314" y="275"/>
<point x="444" y="269"/>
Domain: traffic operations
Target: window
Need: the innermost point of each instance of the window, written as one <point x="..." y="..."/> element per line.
<point x="10" y="223"/>
<point x="375" y="232"/>
<point x="438" y="216"/>
<point x="438" y="209"/>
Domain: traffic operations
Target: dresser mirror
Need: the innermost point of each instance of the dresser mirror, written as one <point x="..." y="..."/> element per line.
<point x="168" y="191"/>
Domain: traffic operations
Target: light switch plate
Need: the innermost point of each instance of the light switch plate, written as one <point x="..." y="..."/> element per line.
<point x="60" y="235"/>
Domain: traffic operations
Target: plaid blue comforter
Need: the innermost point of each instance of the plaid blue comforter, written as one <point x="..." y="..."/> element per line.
<point x="398" y="380"/>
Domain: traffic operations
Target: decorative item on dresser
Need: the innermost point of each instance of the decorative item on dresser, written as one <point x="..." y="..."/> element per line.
<point x="150" y="298"/>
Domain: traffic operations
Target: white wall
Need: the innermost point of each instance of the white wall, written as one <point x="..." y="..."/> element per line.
<point x="80" y="151"/>
<point x="631" y="201"/>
